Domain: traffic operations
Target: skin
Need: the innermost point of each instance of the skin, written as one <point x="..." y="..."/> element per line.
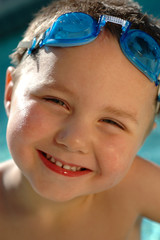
<point x="104" y="113"/>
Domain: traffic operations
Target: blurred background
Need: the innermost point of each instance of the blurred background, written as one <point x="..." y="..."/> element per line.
<point x="14" y="18"/>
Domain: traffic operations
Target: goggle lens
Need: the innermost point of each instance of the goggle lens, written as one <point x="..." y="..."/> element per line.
<point x="72" y="27"/>
<point x="143" y="51"/>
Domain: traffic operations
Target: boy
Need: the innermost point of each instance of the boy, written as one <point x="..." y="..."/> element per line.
<point x="80" y="103"/>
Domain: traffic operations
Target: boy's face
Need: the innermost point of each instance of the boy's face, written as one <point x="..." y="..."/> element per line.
<point x="86" y="106"/>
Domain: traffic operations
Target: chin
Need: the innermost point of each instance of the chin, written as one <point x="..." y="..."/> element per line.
<point x="53" y="195"/>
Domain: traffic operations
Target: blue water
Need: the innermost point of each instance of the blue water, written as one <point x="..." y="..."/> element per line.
<point x="150" y="230"/>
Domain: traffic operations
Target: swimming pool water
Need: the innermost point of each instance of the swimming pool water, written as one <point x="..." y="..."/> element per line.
<point x="150" y="230"/>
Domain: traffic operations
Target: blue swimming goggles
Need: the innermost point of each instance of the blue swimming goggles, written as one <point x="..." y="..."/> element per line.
<point x="77" y="28"/>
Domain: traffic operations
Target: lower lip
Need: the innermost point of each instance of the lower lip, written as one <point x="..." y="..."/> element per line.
<point x="53" y="167"/>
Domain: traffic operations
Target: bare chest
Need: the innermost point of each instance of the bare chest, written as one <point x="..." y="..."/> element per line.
<point x="93" y="226"/>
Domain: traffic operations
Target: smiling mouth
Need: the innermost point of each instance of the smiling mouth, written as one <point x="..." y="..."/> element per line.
<point x="62" y="168"/>
<point x="61" y="165"/>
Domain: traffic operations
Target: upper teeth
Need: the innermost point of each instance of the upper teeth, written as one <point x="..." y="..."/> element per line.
<point x="59" y="164"/>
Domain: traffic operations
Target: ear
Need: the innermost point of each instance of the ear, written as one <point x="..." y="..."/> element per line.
<point x="8" y="89"/>
<point x="154" y="125"/>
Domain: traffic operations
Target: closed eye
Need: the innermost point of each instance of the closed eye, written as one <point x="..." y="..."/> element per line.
<point x="56" y="101"/>
<point x="114" y="123"/>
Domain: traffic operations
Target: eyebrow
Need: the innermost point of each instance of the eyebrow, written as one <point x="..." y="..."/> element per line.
<point x="58" y="88"/>
<point x="122" y="113"/>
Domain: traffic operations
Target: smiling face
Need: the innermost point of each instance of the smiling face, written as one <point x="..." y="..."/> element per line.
<point x="86" y="109"/>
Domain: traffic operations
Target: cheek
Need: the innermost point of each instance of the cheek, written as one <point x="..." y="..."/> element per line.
<point x="116" y="157"/>
<point x="29" y="127"/>
<point x="28" y="124"/>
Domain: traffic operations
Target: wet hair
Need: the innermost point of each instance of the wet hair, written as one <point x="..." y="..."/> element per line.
<point x="125" y="9"/>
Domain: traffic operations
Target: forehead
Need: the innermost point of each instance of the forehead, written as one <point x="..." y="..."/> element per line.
<point x="98" y="67"/>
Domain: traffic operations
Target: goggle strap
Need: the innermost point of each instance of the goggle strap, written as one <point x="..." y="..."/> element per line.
<point x="158" y="98"/>
<point x="31" y="45"/>
<point x="124" y="23"/>
<point x="24" y="44"/>
<point x="158" y="95"/>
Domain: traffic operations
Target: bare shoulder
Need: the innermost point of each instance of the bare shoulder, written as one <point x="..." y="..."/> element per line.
<point x="143" y="180"/>
<point x="9" y="174"/>
<point x="4" y="166"/>
<point x="146" y="174"/>
<point x="145" y="164"/>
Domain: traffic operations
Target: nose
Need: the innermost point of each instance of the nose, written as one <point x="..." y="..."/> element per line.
<point x="74" y="136"/>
